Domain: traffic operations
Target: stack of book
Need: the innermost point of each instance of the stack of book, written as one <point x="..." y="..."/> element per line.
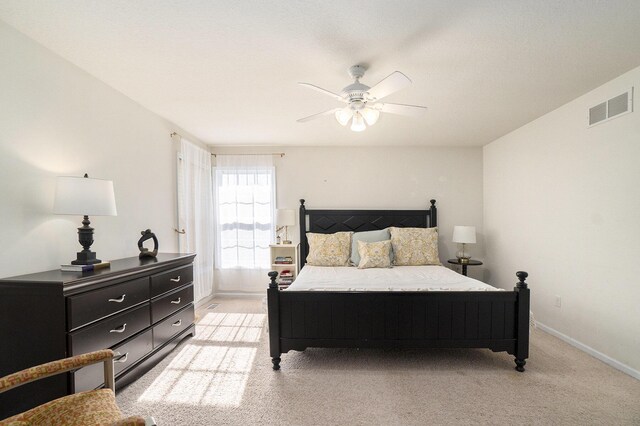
<point x="286" y="278"/>
<point x="84" y="268"/>
<point x="283" y="260"/>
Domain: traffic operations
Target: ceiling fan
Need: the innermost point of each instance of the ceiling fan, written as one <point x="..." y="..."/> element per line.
<point x="363" y="102"/>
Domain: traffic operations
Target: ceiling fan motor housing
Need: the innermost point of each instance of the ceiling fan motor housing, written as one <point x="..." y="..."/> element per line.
<point x="355" y="92"/>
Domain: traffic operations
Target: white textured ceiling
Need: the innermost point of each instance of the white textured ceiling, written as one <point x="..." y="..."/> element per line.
<point x="226" y="71"/>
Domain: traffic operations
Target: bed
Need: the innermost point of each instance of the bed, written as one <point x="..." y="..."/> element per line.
<point x="405" y="306"/>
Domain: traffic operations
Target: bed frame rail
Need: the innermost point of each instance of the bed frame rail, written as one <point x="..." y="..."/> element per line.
<point x="475" y="319"/>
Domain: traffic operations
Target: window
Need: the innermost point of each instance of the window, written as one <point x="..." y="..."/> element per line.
<point x="244" y="207"/>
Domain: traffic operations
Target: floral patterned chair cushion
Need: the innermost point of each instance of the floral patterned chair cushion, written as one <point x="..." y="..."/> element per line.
<point x="96" y="407"/>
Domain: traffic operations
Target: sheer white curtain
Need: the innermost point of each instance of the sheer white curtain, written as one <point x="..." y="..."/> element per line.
<point x="244" y="210"/>
<point x="195" y="213"/>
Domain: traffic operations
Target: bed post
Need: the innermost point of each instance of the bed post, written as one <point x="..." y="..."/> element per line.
<point x="273" y="308"/>
<point x="522" y="344"/>
<point x="433" y="215"/>
<point x="303" y="234"/>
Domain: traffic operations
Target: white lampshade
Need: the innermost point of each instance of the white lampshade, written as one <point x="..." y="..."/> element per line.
<point x="357" y="124"/>
<point x="84" y="196"/>
<point x="464" y="234"/>
<point x="371" y="115"/>
<point x="285" y="217"/>
<point x="344" y="115"/>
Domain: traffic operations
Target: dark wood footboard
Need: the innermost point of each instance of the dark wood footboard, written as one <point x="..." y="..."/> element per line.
<point x="468" y="319"/>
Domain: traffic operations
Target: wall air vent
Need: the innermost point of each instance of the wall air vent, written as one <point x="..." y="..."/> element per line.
<point x="614" y="107"/>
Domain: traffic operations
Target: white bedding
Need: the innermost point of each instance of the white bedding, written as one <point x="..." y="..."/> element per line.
<point x="398" y="278"/>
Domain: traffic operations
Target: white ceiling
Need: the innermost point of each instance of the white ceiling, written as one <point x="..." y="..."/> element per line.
<point x="226" y="71"/>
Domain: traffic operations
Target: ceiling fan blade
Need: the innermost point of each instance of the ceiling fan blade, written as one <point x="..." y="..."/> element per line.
<point x="410" y="110"/>
<point x="390" y="84"/>
<point x="321" y="90"/>
<point x="318" y="115"/>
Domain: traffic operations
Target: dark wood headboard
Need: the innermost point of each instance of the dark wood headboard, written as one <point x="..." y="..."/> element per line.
<point x="330" y="221"/>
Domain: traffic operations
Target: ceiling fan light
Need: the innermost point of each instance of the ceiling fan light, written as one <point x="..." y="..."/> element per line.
<point x="358" y="125"/>
<point x="344" y="115"/>
<point x="371" y="115"/>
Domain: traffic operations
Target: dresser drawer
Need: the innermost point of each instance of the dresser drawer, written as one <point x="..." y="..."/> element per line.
<point x="93" y="305"/>
<point x="169" y="303"/>
<point x="176" y="323"/>
<point x="110" y="331"/>
<point x="131" y="351"/>
<point x="170" y="280"/>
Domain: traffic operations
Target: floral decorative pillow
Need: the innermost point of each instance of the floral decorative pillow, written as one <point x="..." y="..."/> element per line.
<point x="415" y="246"/>
<point x="329" y="249"/>
<point x="374" y="255"/>
<point x="367" y="237"/>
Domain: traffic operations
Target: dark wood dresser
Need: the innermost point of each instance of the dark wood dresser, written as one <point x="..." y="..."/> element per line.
<point x="140" y="308"/>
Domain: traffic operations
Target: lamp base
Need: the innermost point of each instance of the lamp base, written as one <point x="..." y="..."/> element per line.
<point x="463" y="255"/>
<point x="85" y="238"/>
<point x="86" y="257"/>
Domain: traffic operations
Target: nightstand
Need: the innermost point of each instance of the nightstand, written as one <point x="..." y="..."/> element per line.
<point x="471" y="262"/>
<point x="284" y="260"/>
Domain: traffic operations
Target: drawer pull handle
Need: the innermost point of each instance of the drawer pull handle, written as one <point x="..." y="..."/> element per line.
<point x="119" y="330"/>
<point x="177" y="323"/>
<point x="123" y="358"/>
<point x="176" y="302"/>
<point x="119" y="299"/>
<point x="175" y="280"/>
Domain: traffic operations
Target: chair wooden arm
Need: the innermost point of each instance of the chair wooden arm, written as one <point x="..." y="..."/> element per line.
<point x="60" y="366"/>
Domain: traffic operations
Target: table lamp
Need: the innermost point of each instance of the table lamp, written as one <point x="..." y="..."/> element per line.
<point x="464" y="235"/>
<point x="284" y="219"/>
<point x="84" y="196"/>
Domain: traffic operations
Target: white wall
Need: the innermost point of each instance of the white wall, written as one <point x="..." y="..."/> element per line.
<point x="561" y="201"/>
<point x="375" y="178"/>
<point x="58" y="120"/>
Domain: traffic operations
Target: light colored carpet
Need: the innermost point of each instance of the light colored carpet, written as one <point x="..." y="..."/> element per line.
<point x="224" y="376"/>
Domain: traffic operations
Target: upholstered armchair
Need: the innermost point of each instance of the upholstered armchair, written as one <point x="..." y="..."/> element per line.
<point x="96" y="407"/>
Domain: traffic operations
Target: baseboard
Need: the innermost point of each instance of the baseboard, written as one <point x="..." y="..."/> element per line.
<point x="205" y="301"/>
<point x="588" y="349"/>
<point x="240" y="294"/>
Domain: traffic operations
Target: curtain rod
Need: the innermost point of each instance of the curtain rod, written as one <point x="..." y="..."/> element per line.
<point x="281" y="154"/>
